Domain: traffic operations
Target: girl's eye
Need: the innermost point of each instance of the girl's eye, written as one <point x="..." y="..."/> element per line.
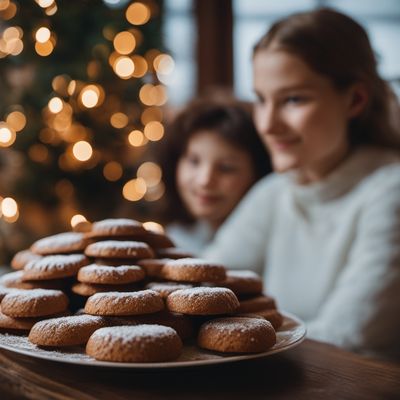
<point x="193" y="160"/>
<point x="293" y="99"/>
<point x="227" y="168"/>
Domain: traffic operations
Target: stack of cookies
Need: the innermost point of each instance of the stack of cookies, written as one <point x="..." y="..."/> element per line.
<point x="142" y="297"/>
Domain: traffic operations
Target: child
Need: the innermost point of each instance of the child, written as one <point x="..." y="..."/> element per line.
<point x="325" y="228"/>
<point x="212" y="156"/>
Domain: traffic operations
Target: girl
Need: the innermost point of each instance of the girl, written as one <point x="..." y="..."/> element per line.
<point x="211" y="158"/>
<point x="325" y="228"/>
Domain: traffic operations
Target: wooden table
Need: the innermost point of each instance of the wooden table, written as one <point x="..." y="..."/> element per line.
<point x="310" y="371"/>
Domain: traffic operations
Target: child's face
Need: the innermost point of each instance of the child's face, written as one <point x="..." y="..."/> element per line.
<point x="300" y="116"/>
<point x="212" y="176"/>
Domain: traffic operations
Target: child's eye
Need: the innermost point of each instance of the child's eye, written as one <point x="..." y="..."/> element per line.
<point x="226" y="168"/>
<point x="193" y="160"/>
<point x="294" y="99"/>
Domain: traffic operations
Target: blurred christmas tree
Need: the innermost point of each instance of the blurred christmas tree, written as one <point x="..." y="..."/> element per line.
<point x="81" y="95"/>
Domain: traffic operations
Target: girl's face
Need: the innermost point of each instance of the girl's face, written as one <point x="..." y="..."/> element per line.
<point x="212" y="176"/>
<point x="300" y="116"/>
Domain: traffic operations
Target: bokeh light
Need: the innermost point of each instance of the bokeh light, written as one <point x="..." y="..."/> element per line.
<point x="55" y="105"/>
<point x="134" y="189"/>
<point x="138" y="13"/>
<point x="76" y="219"/>
<point x="9" y="207"/>
<point x="112" y="171"/>
<point x="16" y="120"/>
<point x="150" y="172"/>
<point x="124" y="42"/>
<point x="124" y="67"/>
<point x="154" y="131"/>
<point x="153" y="226"/>
<point x="82" y="150"/>
<point x="7" y="135"/>
<point x="136" y="138"/>
<point x="43" y="34"/>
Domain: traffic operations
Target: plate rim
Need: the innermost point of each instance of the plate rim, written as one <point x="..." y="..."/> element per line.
<point x="169" y="364"/>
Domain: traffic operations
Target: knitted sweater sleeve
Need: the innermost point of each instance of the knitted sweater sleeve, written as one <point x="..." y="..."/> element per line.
<point x="241" y="242"/>
<point x="362" y="311"/>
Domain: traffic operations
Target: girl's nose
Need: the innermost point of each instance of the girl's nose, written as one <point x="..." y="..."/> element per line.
<point x="205" y="175"/>
<point x="268" y="120"/>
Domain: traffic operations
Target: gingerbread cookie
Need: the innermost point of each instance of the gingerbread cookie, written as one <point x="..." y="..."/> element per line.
<point x="203" y="301"/>
<point x="119" y="249"/>
<point x="54" y="267"/>
<point x="253" y="304"/>
<point x="243" y="282"/>
<point x="34" y="303"/>
<point x="15" y="280"/>
<point x="65" y="331"/>
<point x="193" y="270"/>
<point x="271" y="315"/>
<point x="101" y="274"/>
<point x="62" y="243"/>
<point x="22" y="258"/>
<point x="128" y="303"/>
<point x="140" y="343"/>
<point x="237" y="335"/>
<point x="114" y="227"/>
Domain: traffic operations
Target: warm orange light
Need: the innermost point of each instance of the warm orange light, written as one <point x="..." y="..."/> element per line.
<point x="45" y="3"/>
<point x="82" y="150"/>
<point x="76" y="219"/>
<point x="151" y="173"/>
<point x="16" y="120"/>
<point x="55" y="105"/>
<point x="124" y="42"/>
<point x="90" y="95"/>
<point x="153" y="226"/>
<point x="134" y="189"/>
<point x="136" y="138"/>
<point x="138" y="13"/>
<point x="154" y="131"/>
<point x="124" y="67"/>
<point x="112" y="171"/>
<point x="9" y="207"/>
<point x="140" y="66"/>
<point x="164" y="64"/>
<point x="7" y="135"/>
<point x="44" y="49"/>
<point x="43" y="34"/>
<point x="155" y="193"/>
<point x="119" y="120"/>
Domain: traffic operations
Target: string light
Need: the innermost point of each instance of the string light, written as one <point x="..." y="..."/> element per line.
<point x="134" y="189"/>
<point x="82" y="150"/>
<point x="151" y="173"/>
<point x="76" y="219"/>
<point x="138" y="13"/>
<point x="154" y="131"/>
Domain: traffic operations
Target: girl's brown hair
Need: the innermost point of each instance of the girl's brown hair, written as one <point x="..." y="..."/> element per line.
<point x="336" y="46"/>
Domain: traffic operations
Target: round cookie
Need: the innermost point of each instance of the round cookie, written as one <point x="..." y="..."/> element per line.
<point x="124" y="303"/>
<point x="101" y="274"/>
<point x="62" y="243"/>
<point x="54" y="267"/>
<point x="182" y="324"/>
<point x="237" y="335"/>
<point x="243" y="282"/>
<point x="271" y="315"/>
<point x="166" y="288"/>
<point x="203" y="301"/>
<point x="258" y="303"/>
<point x="22" y="258"/>
<point x="116" y="262"/>
<point x="6" y="290"/>
<point x="15" y="280"/>
<point x="115" y="227"/>
<point x="193" y="270"/>
<point x="174" y="253"/>
<point x="34" y="303"/>
<point x="16" y="324"/>
<point x="140" y="343"/>
<point x="153" y="266"/>
<point x="65" y="331"/>
<point x="119" y="249"/>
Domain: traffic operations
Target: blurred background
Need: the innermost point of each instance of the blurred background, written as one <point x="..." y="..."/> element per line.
<point x="87" y="86"/>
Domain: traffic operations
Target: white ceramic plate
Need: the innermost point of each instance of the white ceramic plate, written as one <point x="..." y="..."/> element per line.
<point x="291" y="333"/>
